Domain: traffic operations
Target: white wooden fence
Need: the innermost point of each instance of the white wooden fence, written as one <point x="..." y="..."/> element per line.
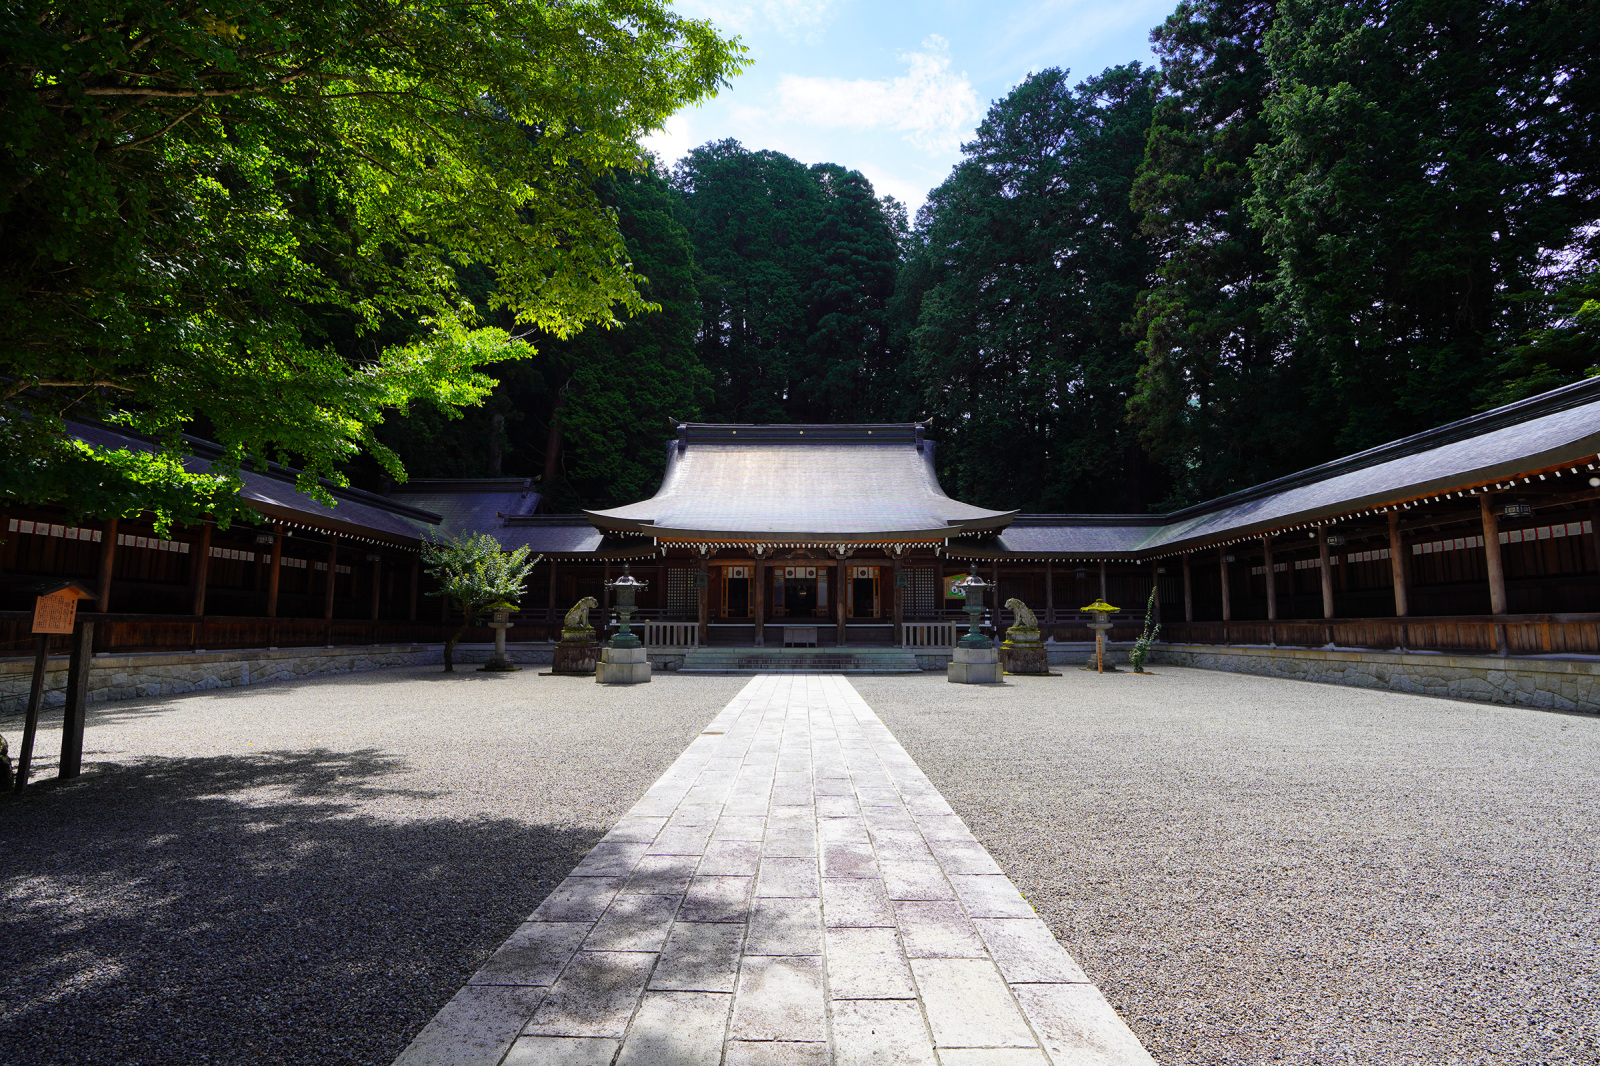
<point x="671" y="634"/>
<point x="930" y="634"/>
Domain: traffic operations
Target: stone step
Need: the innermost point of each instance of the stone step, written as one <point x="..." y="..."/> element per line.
<point x="752" y="660"/>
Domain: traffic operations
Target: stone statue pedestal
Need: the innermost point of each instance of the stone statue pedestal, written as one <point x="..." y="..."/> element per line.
<point x="576" y="657"/>
<point x="1023" y="651"/>
<point x="974" y="666"/>
<point x="622" y="666"/>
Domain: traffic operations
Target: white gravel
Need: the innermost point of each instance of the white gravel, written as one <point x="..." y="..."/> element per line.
<point x="304" y="873"/>
<point x="1264" y="871"/>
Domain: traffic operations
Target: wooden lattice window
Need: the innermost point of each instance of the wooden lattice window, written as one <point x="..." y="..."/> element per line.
<point x="683" y="600"/>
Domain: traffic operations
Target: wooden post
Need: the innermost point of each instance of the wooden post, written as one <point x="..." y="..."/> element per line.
<point x="1397" y="565"/>
<point x="552" y="608"/>
<point x="840" y="598"/>
<point x="108" y="558"/>
<point x="1188" y="590"/>
<point x="1326" y="565"/>
<point x="331" y="587"/>
<point x="705" y="600"/>
<point x="76" y="710"/>
<point x="1102" y="581"/>
<point x="199" y="569"/>
<point x="898" y="602"/>
<point x="1049" y="592"/>
<point x="605" y="591"/>
<point x="938" y="589"/>
<point x="1491" y="556"/>
<point x="274" y="569"/>
<point x="1272" y="579"/>
<point x="758" y="600"/>
<point x="411" y="596"/>
<point x="377" y="586"/>
<point x="1227" y="593"/>
<point x="30" y="725"/>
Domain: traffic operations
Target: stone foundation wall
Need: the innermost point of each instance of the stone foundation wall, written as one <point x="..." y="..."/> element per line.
<point x="1556" y="684"/>
<point x="121" y="677"/>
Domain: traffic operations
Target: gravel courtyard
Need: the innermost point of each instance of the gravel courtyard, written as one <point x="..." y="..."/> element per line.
<point x="1252" y="870"/>
<point x="1265" y="871"/>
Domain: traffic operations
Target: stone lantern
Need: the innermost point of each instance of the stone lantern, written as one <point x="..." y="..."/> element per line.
<point x="1101" y="625"/>
<point x="500" y="621"/>
<point x="623" y="660"/>
<point x="975" y="661"/>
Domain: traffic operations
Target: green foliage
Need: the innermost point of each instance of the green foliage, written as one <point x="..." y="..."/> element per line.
<point x="1425" y="161"/>
<point x="474" y="573"/>
<point x="1220" y="401"/>
<point x="1140" y="652"/>
<point x="1028" y="262"/>
<point x="797" y="266"/>
<point x="256" y="220"/>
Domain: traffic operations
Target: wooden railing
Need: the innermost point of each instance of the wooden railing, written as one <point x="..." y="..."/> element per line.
<point x="658" y="634"/>
<point x="120" y="633"/>
<point x="929" y="634"/>
<point x="1512" y="634"/>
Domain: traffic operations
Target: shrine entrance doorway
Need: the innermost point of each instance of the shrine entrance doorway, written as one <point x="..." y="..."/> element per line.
<point x="799" y="592"/>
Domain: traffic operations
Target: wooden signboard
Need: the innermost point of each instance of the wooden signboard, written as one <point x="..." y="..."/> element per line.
<point x="56" y="612"/>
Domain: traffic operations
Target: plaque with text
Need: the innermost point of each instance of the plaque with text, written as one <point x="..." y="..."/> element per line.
<point x="56" y="612"/>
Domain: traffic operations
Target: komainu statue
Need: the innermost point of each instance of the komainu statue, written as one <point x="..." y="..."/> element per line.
<point x="1026" y="619"/>
<point x="576" y="625"/>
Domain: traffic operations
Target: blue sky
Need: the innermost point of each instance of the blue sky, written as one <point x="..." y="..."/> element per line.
<point x="892" y="88"/>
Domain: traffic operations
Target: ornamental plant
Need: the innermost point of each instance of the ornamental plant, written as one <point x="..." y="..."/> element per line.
<point x="1152" y="629"/>
<point x="475" y="574"/>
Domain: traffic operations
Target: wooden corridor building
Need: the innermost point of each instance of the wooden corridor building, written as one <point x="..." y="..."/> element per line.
<point x="1480" y="536"/>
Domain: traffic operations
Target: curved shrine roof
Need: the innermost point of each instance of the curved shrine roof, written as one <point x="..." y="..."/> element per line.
<point x="800" y="483"/>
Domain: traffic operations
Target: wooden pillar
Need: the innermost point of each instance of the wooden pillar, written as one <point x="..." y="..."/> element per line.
<point x="1397" y="565"/>
<point x="1325" y="564"/>
<point x="1227" y="592"/>
<point x="199" y="570"/>
<point x="1272" y="579"/>
<point x="552" y="605"/>
<point x="411" y="595"/>
<point x="899" y="603"/>
<point x="1188" y="590"/>
<point x="331" y="586"/>
<point x="1049" y="592"/>
<point x="605" y="590"/>
<point x="274" y="569"/>
<point x="1491" y="556"/>
<point x="1103" y="581"/>
<point x="758" y="600"/>
<point x="377" y="584"/>
<point x="938" y="591"/>
<point x="704" y="597"/>
<point x="108" y="558"/>
<point x="76" y="709"/>
<point x="840" y="600"/>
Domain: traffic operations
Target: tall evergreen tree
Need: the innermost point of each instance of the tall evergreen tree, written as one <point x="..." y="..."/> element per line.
<point x="588" y="414"/>
<point x="1426" y="159"/>
<point x="1027" y="266"/>
<point x="797" y="266"/>
<point x="1221" y="400"/>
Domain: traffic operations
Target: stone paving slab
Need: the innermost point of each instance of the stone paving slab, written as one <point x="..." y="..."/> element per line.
<point x="792" y="890"/>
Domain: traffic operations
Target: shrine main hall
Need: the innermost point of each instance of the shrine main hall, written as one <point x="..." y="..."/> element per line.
<point x="1471" y="547"/>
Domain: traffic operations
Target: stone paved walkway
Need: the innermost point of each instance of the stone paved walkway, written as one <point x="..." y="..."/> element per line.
<point x="792" y="890"/>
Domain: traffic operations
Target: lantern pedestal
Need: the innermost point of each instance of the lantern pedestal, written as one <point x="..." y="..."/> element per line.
<point x="622" y="666"/>
<point x="974" y="666"/>
<point x="500" y="662"/>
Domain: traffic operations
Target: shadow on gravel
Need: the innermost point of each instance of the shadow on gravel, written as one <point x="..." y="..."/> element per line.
<point x="244" y="909"/>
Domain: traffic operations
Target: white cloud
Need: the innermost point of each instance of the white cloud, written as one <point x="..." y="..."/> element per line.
<point x="674" y="141"/>
<point x="932" y="106"/>
<point x="795" y="19"/>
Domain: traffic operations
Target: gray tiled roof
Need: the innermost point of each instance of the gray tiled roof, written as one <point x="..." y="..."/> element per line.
<point x="469" y="505"/>
<point x="838" y="482"/>
<point x="1555" y="428"/>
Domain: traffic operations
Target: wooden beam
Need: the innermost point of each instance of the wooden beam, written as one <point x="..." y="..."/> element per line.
<point x="199" y="570"/>
<point x="758" y="600"/>
<point x="108" y="558"/>
<point x="1325" y="565"/>
<point x="1188" y="590"/>
<point x="274" y="570"/>
<point x="377" y="585"/>
<point x="898" y="602"/>
<point x="1272" y="579"/>
<point x="1491" y="555"/>
<point x="1227" y="593"/>
<point x="1049" y="591"/>
<point x="1397" y="565"/>
<point x="411" y="597"/>
<point x="330" y="587"/>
